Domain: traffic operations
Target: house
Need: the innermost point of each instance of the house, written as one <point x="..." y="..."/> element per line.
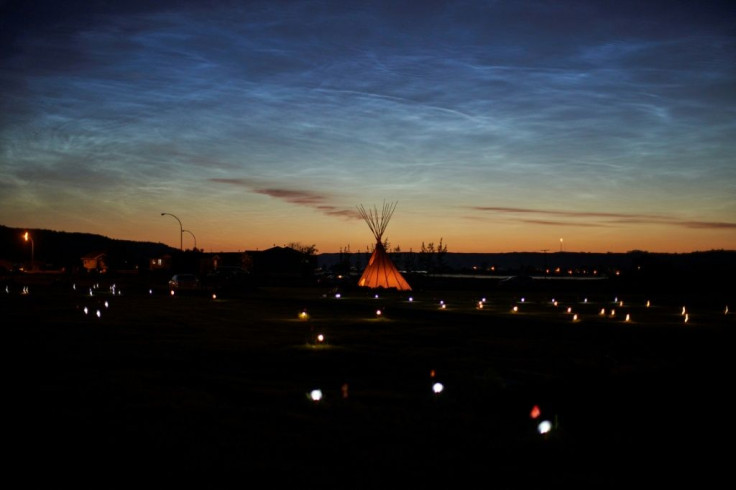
<point x="95" y="262"/>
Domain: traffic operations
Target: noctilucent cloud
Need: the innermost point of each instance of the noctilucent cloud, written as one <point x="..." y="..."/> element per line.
<point x="498" y="126"/>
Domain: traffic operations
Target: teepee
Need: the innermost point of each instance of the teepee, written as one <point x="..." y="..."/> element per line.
<point x="381" y="271"/>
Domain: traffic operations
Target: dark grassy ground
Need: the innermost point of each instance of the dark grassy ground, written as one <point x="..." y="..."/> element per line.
<point x="201" y="392"/>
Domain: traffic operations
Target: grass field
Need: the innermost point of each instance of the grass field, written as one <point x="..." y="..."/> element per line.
<point x="195" y="391"/>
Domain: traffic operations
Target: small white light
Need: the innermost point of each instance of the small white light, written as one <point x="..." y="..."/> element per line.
<point x="86" y="311"/>
<point x="575" y="317"/>
<point x="378" y="312"/>
<point x="320" y="338"/>
<point x="437" y="388"/>
<point x="99" y="314"/>
<point x="515" y="309"/>
<point x="523" y="299"/>
<point x="337" y="295"/>
<point x="628" y="317"/>
<point x="107" y="305"/>
<point x="172" y="292"/>
<point x="315" y="395"/>
<point x="150" y="291"/>
<point x="411" y="299"/>
<point x="544" y="426"/>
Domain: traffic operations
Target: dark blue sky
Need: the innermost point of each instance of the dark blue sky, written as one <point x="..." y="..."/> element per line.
<point x="498" y="126"/>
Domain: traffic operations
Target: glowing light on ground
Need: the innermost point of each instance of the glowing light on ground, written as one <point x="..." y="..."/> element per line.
<point x="86" y="311"/>
<point x="379" y="312"/>
<point x="303" y="315"/>
<point x="437" y="388"/>
<point x="515" y="309"/>
<point x="575" y="317"/>
<point x="172" y="292"/>
<point x="315" y="395"/>
<point x="726" y="311"/>
<point x="687" y="318"/>
<point x="99" y="314"/>
<point x="544" y="427"/>
<point x="569" y="309"/>
<point x="411" y="299"/>
<point x="106" y="304"/>
<point x="585" y="300"/>
<point x="480" y="305"/>
<point x="432" y="373"/>
<point x="648" y="303"/>
<point x="628" y="317"/>
<point x="320" y="338"/>
<point x="603" y="312"/>
<point x="621" y="303"/>
<point x="376" y="296"/>
<point x="613" y="313"/>
<point x="337" y="295"/>
<point x="535" y="412"/>
<point x="523" y="299"/>
<point x="214" y="296"/>
<point x="683" y="311"/>
<point x="150" y="291"/>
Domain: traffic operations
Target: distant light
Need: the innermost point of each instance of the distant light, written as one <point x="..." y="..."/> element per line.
<point x="726" y="311"/>
<point x="585" y="300"/>
<point x="376" y="296"/>
<point x="442" y="302"/>
<point x="628" y="317"/>
<point x="106" y="304"/>
<point x="432" y="373"/>
<point x="613" y="313"/>
<point x="575" y="317"/>
<point x="320" y="338"/>
<point x="480" y="305"/>
<point x="603" y="312"/>
<point x="303" y="315"/>
<point x="74" y="287"/>
<point x="443" y="306"/>
<point x="86" y="311"/>
<point x="315" y="395"/>
<point x="621" y="303"/>
<point x="535" y="412"/>
<point x="437" y="388"/>
<point x="523" y="299"/>
<point x="687" y="317"/>
<point x="378" y="312"/>
<point x="648" y="304"/>
<point x="150" y="291"/>
<point x="344" y="389"/>
<point x="337" y="295"/>
<point x="544" y="427"/>
<point x="90" y="292"/>
<point x="515" y="309"/>
<point x="411" y="299"/>
<point x="214" y="296"/>
<point x="172" y="292"/>
<point x="569" y="309"/>
<point x="683" y="311"/>
<point x="99" y="314"/>
<point x="483" y="300"/>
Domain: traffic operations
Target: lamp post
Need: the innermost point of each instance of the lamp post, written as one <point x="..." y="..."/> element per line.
<point x="195" y="238"/>
<point x="28" y="237"/>
<point x="181" y="231"/>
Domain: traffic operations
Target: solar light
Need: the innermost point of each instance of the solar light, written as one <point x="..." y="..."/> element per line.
<point x="523" y="299"/>
<point x="648" y="304"/>
<point x="337" y="295"/>
<point x="621" y="303"/>
<point x="320" y="338"/>
<point x="99" y="314"/>
<point x="544" y="427"/>
<point x="515" y="309"/>
<point x="437" y="388"/>
<point x="569" y="309"/>
<point x="480" y="305"/>
<point x="378" y="312"/>
<point x="613" y="313"/>
<point x="214" y="296"/>
<point x="535" y="412"/>
<point x="628" y="317"/>
<point x="603" y="312"/>
<point x="315" y="395"/>
<point x="411" y="299"/>
<point x="303" y="315"/>
<point x="683" y="311"/>
<point x="90" y="292"/>
<point x="443" y="306"/>
<point x="376" y="296"/>
<point x="585" y="300"/>
<point x="172" y="292"/>
<point x="687" y="317"/>
<point x="85" y="310"/>
<point x="575" y="317"/>
<point x="726" y="311"/>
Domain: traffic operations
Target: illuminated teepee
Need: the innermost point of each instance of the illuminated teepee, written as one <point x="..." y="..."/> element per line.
<point x="381" y="271"/>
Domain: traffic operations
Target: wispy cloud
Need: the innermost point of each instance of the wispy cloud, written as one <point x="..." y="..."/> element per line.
<point x="606" y="219"/>
<point x="311" y="199"/>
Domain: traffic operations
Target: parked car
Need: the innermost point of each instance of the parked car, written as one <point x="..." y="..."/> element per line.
<point x="184" y="282"/>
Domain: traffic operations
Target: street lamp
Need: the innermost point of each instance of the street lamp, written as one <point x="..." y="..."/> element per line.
<point x="28" y="237"/>
<point x="195" y="238"/>
<point x="181" y="231"/>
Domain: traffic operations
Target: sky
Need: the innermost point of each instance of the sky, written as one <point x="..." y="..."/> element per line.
<point x="495" y="126"/>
